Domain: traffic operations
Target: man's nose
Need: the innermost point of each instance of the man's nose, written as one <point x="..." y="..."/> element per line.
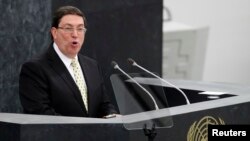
<point x="75" y="33"/>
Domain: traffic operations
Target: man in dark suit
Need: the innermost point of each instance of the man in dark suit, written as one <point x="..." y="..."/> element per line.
<point x="48" y="84"/>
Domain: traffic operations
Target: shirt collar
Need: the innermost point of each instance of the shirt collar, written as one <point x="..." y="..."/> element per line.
<point x="66" y="60"/>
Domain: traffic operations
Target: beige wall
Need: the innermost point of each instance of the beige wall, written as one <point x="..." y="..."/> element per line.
<point x="228" y="50"/>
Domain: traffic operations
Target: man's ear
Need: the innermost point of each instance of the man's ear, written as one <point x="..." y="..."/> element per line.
<point x="53" y="32"/>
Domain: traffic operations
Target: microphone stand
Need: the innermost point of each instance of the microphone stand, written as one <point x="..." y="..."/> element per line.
<point x="150" y="133"/>
<point x="115" y="66"/>
<point x="133" y="63"/>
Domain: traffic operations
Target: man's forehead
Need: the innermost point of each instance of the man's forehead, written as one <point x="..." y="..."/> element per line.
<point x="72" y="20"/>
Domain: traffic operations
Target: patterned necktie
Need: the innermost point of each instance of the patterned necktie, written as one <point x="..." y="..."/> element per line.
<point x="80" y="81"/>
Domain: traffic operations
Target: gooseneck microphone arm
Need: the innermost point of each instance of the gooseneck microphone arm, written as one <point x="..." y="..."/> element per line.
<point x="133" y="63"/>
<point x="115" y="66"/>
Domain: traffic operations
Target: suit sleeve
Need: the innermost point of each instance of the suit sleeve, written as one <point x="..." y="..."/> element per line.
<point x="107" y="107"/>
<point x="33" y="90"/>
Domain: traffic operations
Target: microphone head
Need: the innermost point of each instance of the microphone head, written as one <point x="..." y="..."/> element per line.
<point x="114" y="64"/>
<point x="131" y="61"/>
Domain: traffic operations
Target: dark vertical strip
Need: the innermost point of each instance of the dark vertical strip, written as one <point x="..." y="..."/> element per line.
<point x="24" y="32"/>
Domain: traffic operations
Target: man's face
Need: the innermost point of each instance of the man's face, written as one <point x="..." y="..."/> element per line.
<point x="70" y="34"/>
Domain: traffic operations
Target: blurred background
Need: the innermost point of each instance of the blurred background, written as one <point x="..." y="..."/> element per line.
<point x="223" y="34"/>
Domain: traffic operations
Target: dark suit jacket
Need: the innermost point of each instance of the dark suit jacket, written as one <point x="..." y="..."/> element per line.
<point x="46" y="87"/>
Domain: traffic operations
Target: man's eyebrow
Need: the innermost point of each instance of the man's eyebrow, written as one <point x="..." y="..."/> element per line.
<point x="67" y="24"/>
<point x="80" y="25"/>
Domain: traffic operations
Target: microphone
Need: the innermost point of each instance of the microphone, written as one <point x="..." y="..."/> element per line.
<point x="133" y="63"/>
<point x="115" y="66"/>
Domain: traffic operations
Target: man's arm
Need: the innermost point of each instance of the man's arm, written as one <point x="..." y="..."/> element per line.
<point x="33" y="90"/>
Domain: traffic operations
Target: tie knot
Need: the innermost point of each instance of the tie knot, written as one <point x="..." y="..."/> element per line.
<point x="74" y="63"/>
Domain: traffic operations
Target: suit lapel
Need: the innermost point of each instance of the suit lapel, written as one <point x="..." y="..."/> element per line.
<point x="87" y="76"/>
<point x="57" y="64"/>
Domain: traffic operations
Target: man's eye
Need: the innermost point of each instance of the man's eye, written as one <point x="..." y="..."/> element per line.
<point x="67" y="28"/>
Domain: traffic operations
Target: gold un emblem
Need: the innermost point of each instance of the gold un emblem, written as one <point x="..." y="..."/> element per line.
<point x="198" y="131"/>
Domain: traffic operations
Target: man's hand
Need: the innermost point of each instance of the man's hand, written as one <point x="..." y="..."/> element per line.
<point x="112" y="116"/>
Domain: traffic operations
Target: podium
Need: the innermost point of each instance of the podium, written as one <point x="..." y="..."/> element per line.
<point x="232" y="106"/>
<point x="211" y="103"/>
<point x="24" y="127"/>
